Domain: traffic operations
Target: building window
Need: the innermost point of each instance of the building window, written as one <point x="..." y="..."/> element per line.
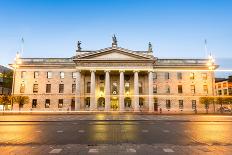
<point x="62" y="75"/>
<point x="230" y="91"/>
<point x="181" y="104"/>
<point x="73" y="88"/>
<point x="60" y="103"/>
<point x="166" y="75"/>
<point x="204" y="76"/>
<point x="168" y="104"/>
<point x="88" y="87"/>
<point x="74" y="75"/>
<point x="194" y="104"/>
<point x="224" y="84"/>
<point x="102" y="86"/>
<point x="140" y="88"/>
<point x="48" y="88"/>
<point x="34" y="103"/>
<point x="47" y="103"/>
<point x="167" y="89"/>
<point x="35" y="88"/>
<point x="154" y="88"/>
<point x="225" y="91"/>
<point x="23" y="74"/>
<point x="154" y="76"/>
<point x="179" y="76"/>
<point x="219" y="92"/>
<point x="22" y="88"/>
<point x="114" y="88"/>
<point x="102" y="77"/>
<point x="61" y="88"/>
<point x="205" y="89"/>
<point x="192" y="76"/>
<point x="127" y="88"/>
<point x="193" y="89"/>
<point x="36" y="75"/>
<point x="49" y="75"/>
<point x="180" y="89"/>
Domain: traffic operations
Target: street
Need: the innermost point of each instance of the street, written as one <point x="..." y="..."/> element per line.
<point x="115" y="134"/>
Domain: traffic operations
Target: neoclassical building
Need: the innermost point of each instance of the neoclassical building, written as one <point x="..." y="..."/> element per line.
<point x="113" y="79"/>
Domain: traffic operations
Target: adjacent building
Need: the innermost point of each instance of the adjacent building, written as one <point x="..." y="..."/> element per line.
<point x="5" y="80"/>
<point x="223" y="86"/>
<point x="113" y="79"/>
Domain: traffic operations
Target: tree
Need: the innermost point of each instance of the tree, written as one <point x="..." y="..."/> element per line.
<point x="5" y="100"/>
<point x="220" y="101"/>
<point x="21" y="100"/>
<point x="206" y="101"/>
<point x="228" y="100"/>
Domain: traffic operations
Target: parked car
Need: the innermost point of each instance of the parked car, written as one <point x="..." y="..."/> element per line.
<point x="224" y="109"/>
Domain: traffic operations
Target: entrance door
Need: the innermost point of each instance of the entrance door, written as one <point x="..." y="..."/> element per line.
<point x="114" y="104"/>
<point x="73" y="104"/>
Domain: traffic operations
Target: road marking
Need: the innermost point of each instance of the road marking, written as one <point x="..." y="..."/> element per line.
<point x="55" y="151"/>
<point x="59" y="131"/>
<point x="75" y="123"/>
<point x="131" y="150"/>
<point x="186" y="131"/>
<point x="166" y="131"/>
<point x="168" y="150"/>
<point x="167" y="123"/>
<point x="144" y="131"/>
<point x="93" y="150"/>
<point x="81" y="131"/>
<point x="38" y="131"/>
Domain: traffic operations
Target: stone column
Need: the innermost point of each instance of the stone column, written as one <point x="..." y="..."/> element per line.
<point x="121" y="91"/>
<point x="136" y="91"/>
<point x="107" y="90"/>
<point x="78" y="91"/>
<point x="92" y="91"/>
<point x="150" y="91"/>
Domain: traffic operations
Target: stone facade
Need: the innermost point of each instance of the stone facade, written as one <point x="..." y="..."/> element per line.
<point x="114" y="79"/>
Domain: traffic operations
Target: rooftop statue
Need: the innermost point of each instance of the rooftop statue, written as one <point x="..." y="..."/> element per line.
<point x="114" y="43"/>
<point x="149" y="47"/>
<point x="79" y="46"/>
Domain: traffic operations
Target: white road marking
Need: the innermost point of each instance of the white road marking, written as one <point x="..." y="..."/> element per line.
<point x="93" y="150"/>
<point x="145" y="131"/>
<point x="59" y="131"/>
<point x="81" y="131"/>
<point x="75" y="123"/>
<point x="186" y="131"/>
<point x="131" y="150"/>
<point x="38" y="131"/>
<point x="166" y="131"/>
<point x="168" y="150"/>
<point x="55" y="151"/>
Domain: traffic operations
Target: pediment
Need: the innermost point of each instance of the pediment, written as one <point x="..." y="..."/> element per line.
<point x="115" y="54"/>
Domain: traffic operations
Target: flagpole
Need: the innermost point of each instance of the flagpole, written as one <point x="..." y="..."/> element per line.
<point x="22" y="46"/>
<point x="206" y="50"/>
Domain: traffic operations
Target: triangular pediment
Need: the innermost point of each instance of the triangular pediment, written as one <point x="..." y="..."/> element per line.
<point x="115" y="54"/>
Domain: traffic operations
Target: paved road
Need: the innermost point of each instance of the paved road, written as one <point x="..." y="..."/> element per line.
<point x="107" y="134"/>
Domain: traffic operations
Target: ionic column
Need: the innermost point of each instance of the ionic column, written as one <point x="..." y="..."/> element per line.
<point x="92" y="91"/>
<point x="136" y="91"/>
<point x="150" y="91"/>
<point x="107" y="90"/>
<point x="78" y="90"/>
<point x="121" y="91"/>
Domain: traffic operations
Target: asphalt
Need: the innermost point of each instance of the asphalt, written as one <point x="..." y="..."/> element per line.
<point x="115" y="134"/>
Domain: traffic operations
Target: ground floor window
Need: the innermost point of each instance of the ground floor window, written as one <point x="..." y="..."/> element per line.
<point x="194" y="104"/>
<point x="47" y="103"/>
<point x="168" y="104"/>
<point x="181" y="104"/>
<point x="127" y="102"/>
<point x="87" y="102"/>
<point x="101" y="102"/>
<point x="34" y="103"/>
<point x="141" y="101"/>
<point x="73" y="104"/>
<point x="155" y="104"/>
<point x="60" y="103"/>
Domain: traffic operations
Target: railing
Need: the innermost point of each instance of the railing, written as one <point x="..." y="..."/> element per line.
<point x="182" y="61"/>
<point x="46" y="60"/>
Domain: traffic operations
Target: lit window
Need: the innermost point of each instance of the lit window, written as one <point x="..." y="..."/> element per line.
<point x="47" y="103"/>
<point x="154" y="89"/>
<point x="88" y="87"/>
<point x="167" y="89"/>
<point x="73" y="88"/>
<point x="168" y="104"/>
<point x="204" y="76"/>
<point x="74" y="75"/>
<point x="102" y="85"/>
<point x="181" y="104"/>
<point x="49" y="75"/>
<point x="22" y="88"/>
<point x="127" y="87"/>
<point x="35" y="88"/>
<point x="62" y="75"/>
<point x="140" y="88"/>
<point x="61" y="88"/>
<point x="179" y="76"/>
<point x="36" y="75"/>
<point x="34" y="103"/>
<point x="194" y="104"/>
<point x="60" y="103"/>
<point x="205" y="89"/>
<point x="23" y="74"/>
<point x="193" y="89"/>
<point x="180" y="89"/>
<point x="192" y="76"/>
<point x="225" y="91"/>
<point x="114" y="88"/>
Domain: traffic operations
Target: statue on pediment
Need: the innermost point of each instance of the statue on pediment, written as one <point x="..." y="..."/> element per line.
<point x="79" y="46"/>
<point x="115" y="42"/>
<point x="149" y="47"/>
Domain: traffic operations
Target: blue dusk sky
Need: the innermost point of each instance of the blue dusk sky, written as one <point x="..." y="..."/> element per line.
<point x="176" y="28"/>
